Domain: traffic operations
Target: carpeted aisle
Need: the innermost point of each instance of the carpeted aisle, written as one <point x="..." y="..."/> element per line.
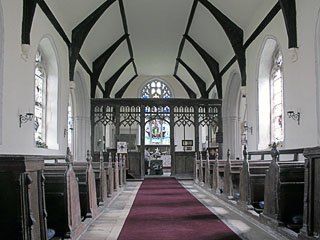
<point x="163" y="209"/>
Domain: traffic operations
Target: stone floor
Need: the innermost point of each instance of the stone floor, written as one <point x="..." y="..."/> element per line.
<point x="110" y="222"/>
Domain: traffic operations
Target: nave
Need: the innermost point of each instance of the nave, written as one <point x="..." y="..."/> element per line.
<point x="163" y="208"/>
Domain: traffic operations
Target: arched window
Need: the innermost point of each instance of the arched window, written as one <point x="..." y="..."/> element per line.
<point x="46" y="92"/>
<point x="70" y="125"/>
<point x="270" y="89"/>
<point x="276" y="85"/>
<point x="40" y="94"/>
<point x="157" y="131"/>
<point x="155" y="89"/>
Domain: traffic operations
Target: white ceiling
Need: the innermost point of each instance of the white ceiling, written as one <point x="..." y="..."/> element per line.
<point x="156" y="28"/>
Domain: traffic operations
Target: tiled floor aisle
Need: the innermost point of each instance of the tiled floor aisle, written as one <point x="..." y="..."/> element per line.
<point x="109" y="224"/>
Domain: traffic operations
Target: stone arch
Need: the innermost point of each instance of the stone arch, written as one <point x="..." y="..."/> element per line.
<point x="230" y="115"/>
<point x="81" y="132"/>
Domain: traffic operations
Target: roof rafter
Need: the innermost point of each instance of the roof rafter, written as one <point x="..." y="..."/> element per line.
<point x="189" y="91"/>
<point x="200" y="83"/>
<point x="101" y="61"/>
<point x="212" y="64"/>
<point x="290" y="18"/>
<point x="29" y="7"/>
<point x="113" y="79"/>
<point x="80" y="33"/>
<point x="191" y="16"/>
<point x="234" y="34"/>
<point x="125" y="27"/>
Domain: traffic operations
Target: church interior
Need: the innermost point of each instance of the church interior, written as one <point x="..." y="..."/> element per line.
<point x="171" y="119"/>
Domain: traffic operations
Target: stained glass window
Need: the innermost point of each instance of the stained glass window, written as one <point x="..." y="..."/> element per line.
<point x="156" y="89"/>
<point x="40" y="100"/>
<point x="157" y="131"/>
<point x="70" y="125"/>
<point x="276" y="83"/>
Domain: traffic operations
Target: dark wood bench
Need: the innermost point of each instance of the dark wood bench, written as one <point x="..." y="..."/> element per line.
<point x="252" y="180"/>
<point x="62" y="199"/>
<point x="209" y="163"/>
<point x="232" y="177"/>
<point x="218" y="176"/>
<point x="87" y="188"/>
<point x="284" y="184"/>
<point x="311" y="206"/>
<point x="101" y="180"/>
<point x="22" y="202"/>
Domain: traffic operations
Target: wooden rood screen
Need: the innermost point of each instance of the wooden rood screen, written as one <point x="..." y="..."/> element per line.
<point x="176" y="112"/>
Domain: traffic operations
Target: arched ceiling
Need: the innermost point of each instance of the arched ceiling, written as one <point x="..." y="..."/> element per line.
<point x="155" y="31"/>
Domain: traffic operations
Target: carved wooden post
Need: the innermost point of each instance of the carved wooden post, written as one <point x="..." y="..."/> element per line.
<point x="200" y="169"/>
<point x="244" y="179"/>
<point x="207" y="180"/>
<point x="73" y="199"/>
<point x="120" y="171"/>
<point x="92" y="186"/>
<point x="172" y="145"/>
<point x="116" y="173"/>
<point x="227" y="176"/>
<point x="142" y="139"/>
<point x="195" y="173"/>
<point x="311" y="211"/>
<point x="103" y="181"/>
<point x="124" y="169"/>
<point x="110" y="176"/>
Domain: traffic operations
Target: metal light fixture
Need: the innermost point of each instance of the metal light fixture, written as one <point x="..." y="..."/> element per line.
<point x="25" y="118"/>
<point x="294" y="116"/>
<point x="247" y="128"/>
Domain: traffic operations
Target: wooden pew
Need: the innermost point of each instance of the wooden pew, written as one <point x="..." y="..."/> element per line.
<point x="311" y="212"/>
<point x="218" y="176"/>
<point x="252" y="180"/>
<point x="87" y="188"/>
<point x="232" y="176"/>
<point x="22" y="202"/>
<point x="209" y="163"/>
<point x="62" y="199"/>
<point x="284" y="184"/>
<point x="101" y="180"/>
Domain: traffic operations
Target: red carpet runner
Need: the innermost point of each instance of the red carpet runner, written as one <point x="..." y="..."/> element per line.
<point x="165" y="210"/>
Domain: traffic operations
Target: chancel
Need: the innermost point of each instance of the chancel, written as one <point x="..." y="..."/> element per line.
<point x="148" y="119"/>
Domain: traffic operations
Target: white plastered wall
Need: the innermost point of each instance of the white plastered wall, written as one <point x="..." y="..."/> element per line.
<point x="18" y="84"/>
<point x="299" y="77"/>
<point x="1" y="69"/>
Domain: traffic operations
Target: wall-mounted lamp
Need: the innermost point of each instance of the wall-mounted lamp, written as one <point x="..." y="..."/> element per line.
<point x="294" y="116"/>
<point x="65" y="132"/>
<point x="25" y="118"/>
<point x="247" y="128"/>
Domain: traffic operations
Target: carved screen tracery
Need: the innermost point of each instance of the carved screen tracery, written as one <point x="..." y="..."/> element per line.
<point x="104" y="115"/>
